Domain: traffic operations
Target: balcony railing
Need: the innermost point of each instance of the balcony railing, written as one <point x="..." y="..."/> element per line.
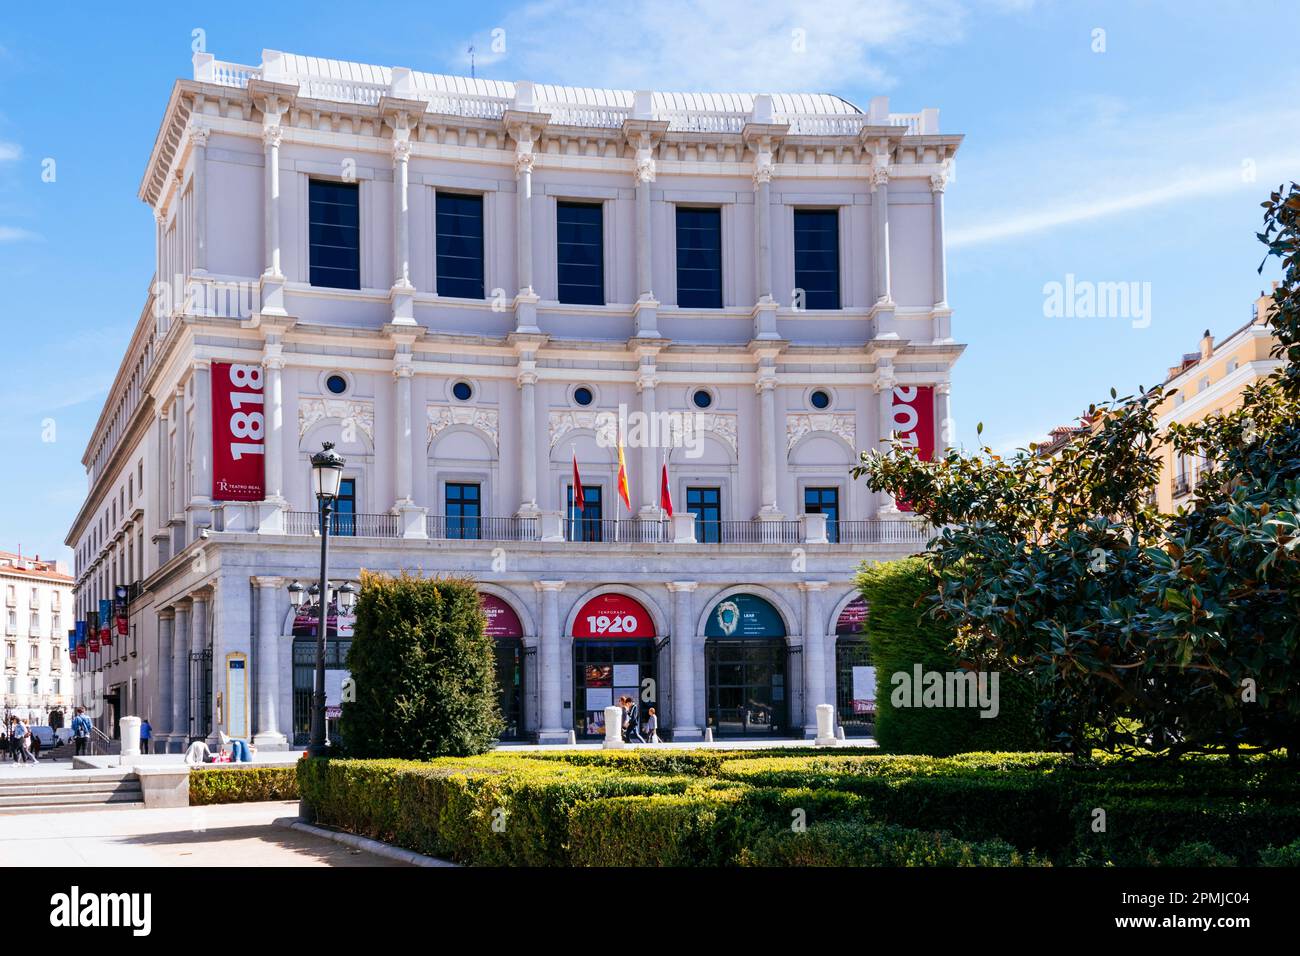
<point x="875" y="531"/>
<point x="458" y="528"/>
<point x="879" y="531"/>
<point x="630" y="530"/>
<point x="1182" y="486"/>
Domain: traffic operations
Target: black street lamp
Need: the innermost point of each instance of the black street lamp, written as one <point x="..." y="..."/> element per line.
<point x="326" y="474"/>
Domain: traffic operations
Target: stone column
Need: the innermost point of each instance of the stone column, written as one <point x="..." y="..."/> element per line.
<point x="767" y="439"/>
<point x="880" y="233"/>
<point x="552" y="682"/>
<point x="526" y="299"/>
<point x="199" y="136"/>
<point x="885" y="405"/>
<point x="401" y="213"/>
<point x="937" y="183"/>
<point x="526" y="378"/>
<point x="814" y="653"/>
<point x="266" y="666"/>
<point x="166" y="675"/>
<point x="181" y="675"/>
<point x="650" y="451"/>
<point x="201" y="494"/>
<point x="403" y="478"/>
<point x="944" y="428"/>
<point x="271" y="137"/>
<point x="271" y="518"/>
<point x="686" y="725"/>
<point x="765" y="307"/>
<point x="182" y="461"/>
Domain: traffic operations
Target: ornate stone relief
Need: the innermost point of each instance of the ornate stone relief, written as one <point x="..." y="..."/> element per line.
<point x="485" y="420"/>
<point x="349" y="411"/>
<point x="840" y="424"/>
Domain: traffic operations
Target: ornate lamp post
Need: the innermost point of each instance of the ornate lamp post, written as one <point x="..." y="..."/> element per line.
<point x="326" y="474"/>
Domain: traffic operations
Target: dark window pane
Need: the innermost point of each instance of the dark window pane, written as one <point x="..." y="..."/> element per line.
<point x="817" y="257"/>
<point x="699" y="258"/>
<point x="334" y="235"/>
<point x="580" y="253"/>
<point x="824" y="501"/>
<point x="460" y="245"/>
<point x="705" y="504"/>
<point x="463" y="510"/>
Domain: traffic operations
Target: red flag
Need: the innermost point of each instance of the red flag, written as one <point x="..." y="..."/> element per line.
<point x="665" y="496"/>
<point x="579" y="501"/>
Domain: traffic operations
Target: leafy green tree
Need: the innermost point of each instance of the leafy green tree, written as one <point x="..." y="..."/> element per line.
<point x="1170" y="632"/>
<point x="424" y="671"/>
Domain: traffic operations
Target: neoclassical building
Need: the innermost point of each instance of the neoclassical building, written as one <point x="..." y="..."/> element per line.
<point x="479" y="290"/>
<point x="38" y="613"/>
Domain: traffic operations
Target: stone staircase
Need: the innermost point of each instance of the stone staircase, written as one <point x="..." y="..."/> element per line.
<point x="69" y="790"/>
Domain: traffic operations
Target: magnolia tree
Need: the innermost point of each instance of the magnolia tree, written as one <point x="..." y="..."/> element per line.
<point x="1141" y="630"/>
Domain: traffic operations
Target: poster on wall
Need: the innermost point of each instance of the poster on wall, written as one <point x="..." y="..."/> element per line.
<point x="613" y="616"/>
<point x="105" y="622"/>
<point x="237" y="695"/>
<point x="238" y="432"/>
<point x="912" y="419"/>
<point x="853" y="619"/>
<point x="502" y="621"/>
<point x="120" y="609"/>
<point x="744" y="615"/>
<point x="864" y="689"/>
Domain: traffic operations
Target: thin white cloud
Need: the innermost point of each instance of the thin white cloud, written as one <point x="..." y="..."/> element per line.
<point x="727" y="45"/>
<point x="1113" y="159"/>
<point x="15" y="234"/>
<point x="1207" y="182"/>
<point x="9" y="152"/>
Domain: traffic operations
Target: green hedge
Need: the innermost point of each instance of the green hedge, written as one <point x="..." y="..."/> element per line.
<point x="855" y="843"/>
<point x="901" y="635"/>
<point x="719" y="808"/>
<point x="242" y="784"/>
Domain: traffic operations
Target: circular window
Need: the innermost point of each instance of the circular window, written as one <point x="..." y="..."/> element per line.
<point x="582" y="395"/>
<point x="820" y="399"/>
<point x="336" y="383"/>
<point x="702" y="398"/>
<point x="462" y="391"/>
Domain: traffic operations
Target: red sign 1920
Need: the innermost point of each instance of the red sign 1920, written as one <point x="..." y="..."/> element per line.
<point x="238" y="432"/>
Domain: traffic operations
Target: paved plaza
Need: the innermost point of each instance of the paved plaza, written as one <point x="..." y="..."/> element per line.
<point x="228" y="835"/>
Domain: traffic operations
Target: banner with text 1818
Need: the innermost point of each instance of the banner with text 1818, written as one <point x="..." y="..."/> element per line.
<point x="238" y="432"/>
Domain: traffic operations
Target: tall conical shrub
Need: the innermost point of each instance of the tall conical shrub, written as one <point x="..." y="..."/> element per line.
<point x="423" y="671"/>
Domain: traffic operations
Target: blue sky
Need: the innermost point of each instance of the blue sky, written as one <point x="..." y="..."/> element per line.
<point x="1136" y="155"/>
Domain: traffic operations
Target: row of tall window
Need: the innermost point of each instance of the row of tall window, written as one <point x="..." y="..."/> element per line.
<point x="335" y="248"/>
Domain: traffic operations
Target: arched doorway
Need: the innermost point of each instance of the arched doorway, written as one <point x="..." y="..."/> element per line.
<point x="855" y="676"/>
<point x="613" y="657"/>
<point x="338" y="641"/>
<point x="507" y="633"/>
<point x="746" y="667"/>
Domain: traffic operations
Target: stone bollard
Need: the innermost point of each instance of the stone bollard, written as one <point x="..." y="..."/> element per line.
<point x="613" y="729"/>
<point x="573" y="738"/>
<point x="130" y="730"/>
<point x="826" y="726"/>
<point x="839" y="733"/>
<point x="708" y="735"/>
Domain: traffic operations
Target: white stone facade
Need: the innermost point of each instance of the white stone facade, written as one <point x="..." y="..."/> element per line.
<point x="377" y="370"/>
<point x="38" y="611"/>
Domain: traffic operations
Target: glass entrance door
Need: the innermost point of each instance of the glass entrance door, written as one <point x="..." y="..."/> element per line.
<point x="604" y="671"/>
<point x="510" y="679"/>
<point x="855" y="687"/>
<point x="748" y="694"/>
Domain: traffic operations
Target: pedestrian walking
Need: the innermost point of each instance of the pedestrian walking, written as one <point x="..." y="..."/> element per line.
<point x="652" y="726"/>
<point x="24" y="741"/>
<point x="13" y="743"/>
<point x="81" y="731"/>
<point x="36" y="747"/>
<point x="146" y="734"/>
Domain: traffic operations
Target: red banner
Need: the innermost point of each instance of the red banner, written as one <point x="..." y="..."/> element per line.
<point x="238" y="433"/>
<point x="613" y="616"/>
<point x="912" y="418"/>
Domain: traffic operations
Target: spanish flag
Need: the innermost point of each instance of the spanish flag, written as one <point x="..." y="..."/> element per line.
<point x="622" y="477"/>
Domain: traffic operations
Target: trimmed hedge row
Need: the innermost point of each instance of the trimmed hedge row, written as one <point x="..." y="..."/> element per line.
<point x="242" y="784"/>
<point x="724" y="808"/>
